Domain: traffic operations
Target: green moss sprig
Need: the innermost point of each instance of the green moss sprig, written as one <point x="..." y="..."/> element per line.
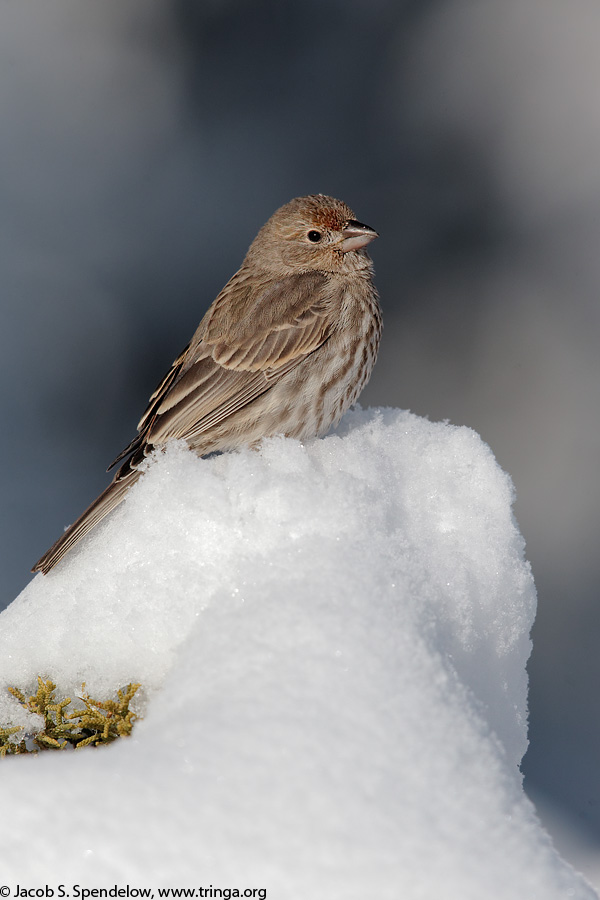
<point x="98" y="722"/>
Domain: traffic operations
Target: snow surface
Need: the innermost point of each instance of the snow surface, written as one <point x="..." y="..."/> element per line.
<point x="332" y="637"/>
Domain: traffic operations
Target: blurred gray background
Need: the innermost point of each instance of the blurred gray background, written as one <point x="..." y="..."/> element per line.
<point x="143" y="142"/>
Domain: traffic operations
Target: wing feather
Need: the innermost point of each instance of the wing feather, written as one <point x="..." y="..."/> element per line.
<point x="247" y="341"/>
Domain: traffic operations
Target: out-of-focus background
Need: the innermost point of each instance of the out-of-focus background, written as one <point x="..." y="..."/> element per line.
<point x="144" y="142"/>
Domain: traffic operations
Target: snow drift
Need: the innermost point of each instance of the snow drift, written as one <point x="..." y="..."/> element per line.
<point x="332" y="639"/>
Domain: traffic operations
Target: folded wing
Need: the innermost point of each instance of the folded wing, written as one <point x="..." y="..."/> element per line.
<point x="246" y="342"/>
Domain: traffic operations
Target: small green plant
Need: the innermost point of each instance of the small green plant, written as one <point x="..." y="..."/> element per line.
<point x="98" y="722"/>
<point x="9" y="746"/>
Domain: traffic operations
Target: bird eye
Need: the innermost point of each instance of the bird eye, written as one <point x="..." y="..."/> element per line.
<point x="314" y="236"/>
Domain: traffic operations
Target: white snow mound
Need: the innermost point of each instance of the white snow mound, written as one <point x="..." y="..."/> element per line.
<point x="332" y="638"/>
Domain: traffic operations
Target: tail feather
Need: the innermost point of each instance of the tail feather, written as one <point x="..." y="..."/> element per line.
<point x="102" y="505"/>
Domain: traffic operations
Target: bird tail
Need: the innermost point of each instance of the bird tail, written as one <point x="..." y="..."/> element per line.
<point x="102" y="505"/>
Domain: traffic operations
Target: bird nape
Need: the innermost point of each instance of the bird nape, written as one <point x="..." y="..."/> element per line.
<point x="285" y="348"/>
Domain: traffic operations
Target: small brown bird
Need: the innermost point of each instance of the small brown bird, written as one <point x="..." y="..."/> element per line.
<point x="286" y="348"/>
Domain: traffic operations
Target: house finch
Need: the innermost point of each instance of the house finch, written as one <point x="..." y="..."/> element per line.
<point x="286" y="348"/>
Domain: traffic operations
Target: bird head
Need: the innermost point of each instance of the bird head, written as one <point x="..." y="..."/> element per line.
<point x="314" y="233"/>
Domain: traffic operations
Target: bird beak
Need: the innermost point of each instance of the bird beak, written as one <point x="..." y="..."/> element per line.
<point x="356" y="235"/>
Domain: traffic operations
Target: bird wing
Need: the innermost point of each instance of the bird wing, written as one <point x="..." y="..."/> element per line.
<point x="250" y="337"/>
